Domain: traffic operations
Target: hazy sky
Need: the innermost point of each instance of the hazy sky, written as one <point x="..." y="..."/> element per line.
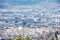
<point x="26" y="2"/>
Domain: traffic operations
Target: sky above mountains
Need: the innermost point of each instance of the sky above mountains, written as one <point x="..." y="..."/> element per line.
<point x="26" y="2"/>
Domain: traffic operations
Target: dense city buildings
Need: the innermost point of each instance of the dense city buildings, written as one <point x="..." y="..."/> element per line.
<point x="29" y="20"/>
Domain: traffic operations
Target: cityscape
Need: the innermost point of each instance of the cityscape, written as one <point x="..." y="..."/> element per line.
<point x="29" y="20"/>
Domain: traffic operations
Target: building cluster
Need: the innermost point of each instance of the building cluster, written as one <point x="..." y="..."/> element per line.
<point x="42" y="33"/>
<point x="41" y="16"/>
<point x="31" y="21"/>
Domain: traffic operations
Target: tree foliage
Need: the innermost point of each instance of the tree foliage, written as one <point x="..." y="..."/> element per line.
<point x="19" y="38"/>
<point x="27" y="38"/>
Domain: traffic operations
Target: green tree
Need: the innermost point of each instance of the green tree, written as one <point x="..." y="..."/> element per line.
<point x="9" y="39"/>
<point x="27" y="38"/>
<point x="19" y="38"/>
